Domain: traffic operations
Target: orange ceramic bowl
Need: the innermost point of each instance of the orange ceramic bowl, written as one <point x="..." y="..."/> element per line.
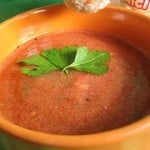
<point x="115" y="21"/>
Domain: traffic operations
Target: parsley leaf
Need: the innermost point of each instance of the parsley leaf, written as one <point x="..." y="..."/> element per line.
<point x="70" y="57"/>
<point x="54" y="57"/>
<point x="39" y="64"/>
<point x="92" y="61"/>
<point x="68" y="53"/>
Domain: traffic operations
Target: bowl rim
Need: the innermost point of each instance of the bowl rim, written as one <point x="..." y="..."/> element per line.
<point x="43" y="8"/>
<point x="97" y="139"/>
<point x="88" y="140"/>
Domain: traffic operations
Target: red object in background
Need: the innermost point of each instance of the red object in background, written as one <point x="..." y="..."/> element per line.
<point x="139" y="4"/>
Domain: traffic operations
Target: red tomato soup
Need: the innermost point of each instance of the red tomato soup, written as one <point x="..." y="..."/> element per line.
<point x="77" y="102"/>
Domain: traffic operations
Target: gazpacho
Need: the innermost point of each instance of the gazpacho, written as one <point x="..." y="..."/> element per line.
<point x="75" y="101"/>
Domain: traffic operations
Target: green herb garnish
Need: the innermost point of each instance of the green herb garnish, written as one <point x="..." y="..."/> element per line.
<point x="71" y="57"/>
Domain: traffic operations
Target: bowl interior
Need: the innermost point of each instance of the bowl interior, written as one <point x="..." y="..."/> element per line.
<point x="114" y="21"/>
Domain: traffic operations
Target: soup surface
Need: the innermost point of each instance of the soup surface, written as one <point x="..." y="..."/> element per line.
<point x="76" y="103"/>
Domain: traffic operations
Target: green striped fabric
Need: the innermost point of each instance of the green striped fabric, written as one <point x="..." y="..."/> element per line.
<point x="9" y="8"/>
